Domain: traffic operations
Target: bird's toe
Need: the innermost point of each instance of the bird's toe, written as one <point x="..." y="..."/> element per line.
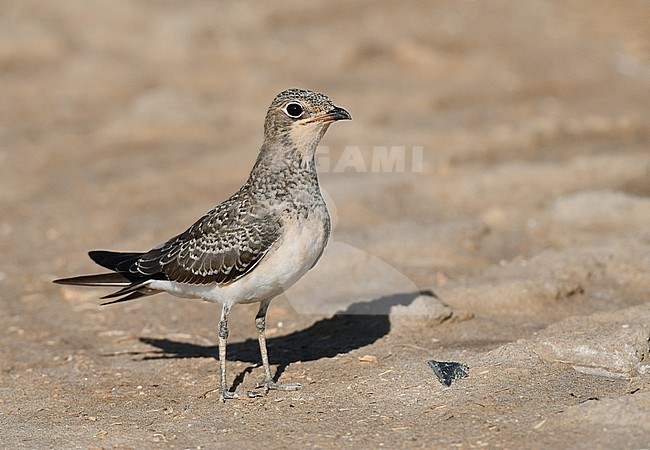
<point x="227" y="395"/>
<point x="273" y="386"/>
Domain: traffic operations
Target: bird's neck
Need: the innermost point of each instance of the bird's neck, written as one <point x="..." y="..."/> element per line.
<point x="282" y="171"/>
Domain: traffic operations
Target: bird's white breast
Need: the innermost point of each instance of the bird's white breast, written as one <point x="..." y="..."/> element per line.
<point x="286" y="262"/>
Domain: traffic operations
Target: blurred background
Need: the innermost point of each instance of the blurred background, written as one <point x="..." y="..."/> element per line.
<point x="121" y="122"/>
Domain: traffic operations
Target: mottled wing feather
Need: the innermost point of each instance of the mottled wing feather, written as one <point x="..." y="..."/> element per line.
<point x="221" y="247"/>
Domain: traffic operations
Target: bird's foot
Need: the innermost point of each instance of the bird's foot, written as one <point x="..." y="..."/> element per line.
<point x="282" y="387"/>
<point x="227" y="395"/>
<point x="273" y="386"/>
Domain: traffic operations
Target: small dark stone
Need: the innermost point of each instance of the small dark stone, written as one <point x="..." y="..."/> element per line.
<point x="448" y="371"/>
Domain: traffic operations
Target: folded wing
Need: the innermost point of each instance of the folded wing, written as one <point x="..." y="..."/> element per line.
<point x="221" y="247"/>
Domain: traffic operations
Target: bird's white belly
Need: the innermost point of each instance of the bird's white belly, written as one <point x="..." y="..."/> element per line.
<point x="285" y="263"/>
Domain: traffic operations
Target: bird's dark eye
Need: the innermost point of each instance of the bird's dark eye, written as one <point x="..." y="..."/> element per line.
<point x="294" y="110"/>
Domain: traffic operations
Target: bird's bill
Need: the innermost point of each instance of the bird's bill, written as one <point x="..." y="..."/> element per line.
<point x="330" y="116"/>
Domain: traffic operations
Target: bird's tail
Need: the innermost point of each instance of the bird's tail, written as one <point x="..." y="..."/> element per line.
<point x="131" y="286"/>
<point x="102" y="279"/>
<point x="128" y="288"/>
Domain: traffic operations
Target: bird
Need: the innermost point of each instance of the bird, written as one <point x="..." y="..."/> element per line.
<point x="251" y="247"/>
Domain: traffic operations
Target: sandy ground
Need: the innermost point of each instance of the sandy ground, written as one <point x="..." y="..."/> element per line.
<point x="122" y="122"/>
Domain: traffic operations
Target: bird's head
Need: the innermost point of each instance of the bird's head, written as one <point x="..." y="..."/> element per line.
<point x="299" y="118"/>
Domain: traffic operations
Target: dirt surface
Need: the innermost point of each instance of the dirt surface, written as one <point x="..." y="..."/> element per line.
<point x="527" y="217"/>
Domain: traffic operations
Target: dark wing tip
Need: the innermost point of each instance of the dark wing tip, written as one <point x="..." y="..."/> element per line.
<point x="98" y="255"/>
<point x="116" y="261"/>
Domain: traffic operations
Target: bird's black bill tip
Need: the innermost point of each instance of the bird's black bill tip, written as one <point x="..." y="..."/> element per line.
<point x="332" y="115"/>
<point x="339" y="114"/>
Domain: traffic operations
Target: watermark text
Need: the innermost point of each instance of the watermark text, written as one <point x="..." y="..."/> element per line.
<point x="379" y="159"/>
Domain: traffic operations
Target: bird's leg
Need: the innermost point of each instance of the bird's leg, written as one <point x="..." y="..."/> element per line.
<point x="223" y="338"/>
<point x="260" y="321"/>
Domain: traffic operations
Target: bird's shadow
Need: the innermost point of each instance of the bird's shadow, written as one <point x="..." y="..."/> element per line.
<point x="359" y="325"/>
